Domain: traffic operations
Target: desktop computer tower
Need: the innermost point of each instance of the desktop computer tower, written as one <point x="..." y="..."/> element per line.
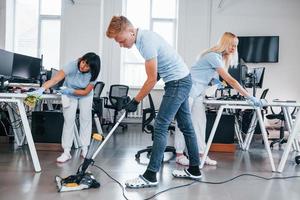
<point x="225" y="130"/>
<point x="47" y="126"/>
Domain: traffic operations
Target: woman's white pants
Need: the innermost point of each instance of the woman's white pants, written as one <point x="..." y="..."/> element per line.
<point x="198" y="116"/>
<point x="85" y="119"/>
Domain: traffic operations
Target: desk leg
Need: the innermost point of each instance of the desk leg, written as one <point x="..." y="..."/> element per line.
<point x="250" y="132"/>
<point x="291" y="138"/>
<point x="265" y="137"/>
<point x="211" y="136"/>
<point x="238" y="133"/>
<point x="289" y="121"/>
<point x="28" y="135"/>
<point x="49" y="104"/>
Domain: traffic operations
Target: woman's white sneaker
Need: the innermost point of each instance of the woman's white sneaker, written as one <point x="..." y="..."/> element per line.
<point x="182" y="160"/>
<point x="209" y="161"/>
<point x="64" y="157"/>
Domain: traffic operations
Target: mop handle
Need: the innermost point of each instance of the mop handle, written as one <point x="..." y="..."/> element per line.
<point x="108" y="135"/>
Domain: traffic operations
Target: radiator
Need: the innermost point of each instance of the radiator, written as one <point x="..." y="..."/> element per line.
<point x="138" y="113"/>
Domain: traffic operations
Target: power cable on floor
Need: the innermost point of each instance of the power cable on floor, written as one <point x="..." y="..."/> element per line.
<point x="197" y="181"/>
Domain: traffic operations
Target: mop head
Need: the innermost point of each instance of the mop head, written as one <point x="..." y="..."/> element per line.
<point x="84" y="180"/>
<point x="76" y="182"/>
<point x="31" y="100"/>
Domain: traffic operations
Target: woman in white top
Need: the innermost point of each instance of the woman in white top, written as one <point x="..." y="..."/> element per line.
<point x="213" y="63"/>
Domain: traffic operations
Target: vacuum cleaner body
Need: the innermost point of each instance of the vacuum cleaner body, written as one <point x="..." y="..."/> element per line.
<point x="85" y="180"/>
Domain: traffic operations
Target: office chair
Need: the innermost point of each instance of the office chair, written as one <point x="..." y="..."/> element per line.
<point x="280" y="117"/>
<point x="97" y="108"/>
<point x="117" y="99"/>
<point x="148" y="118"/>
<point x="97" y="100"/>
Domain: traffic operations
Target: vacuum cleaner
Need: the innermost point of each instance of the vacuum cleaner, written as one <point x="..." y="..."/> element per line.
<point x="85" y="180"/>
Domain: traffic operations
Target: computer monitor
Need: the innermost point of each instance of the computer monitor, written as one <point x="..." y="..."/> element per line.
<point x="239" y="73"/>
<point x="26" y="67"/>
<point x="255" y="77"/>
<point x="53" y="72"/>
<point x="6" y="63"/>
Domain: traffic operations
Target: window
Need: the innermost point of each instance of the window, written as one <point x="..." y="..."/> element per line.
<point x="150" y="15"/>
<point x="37" y="30"/>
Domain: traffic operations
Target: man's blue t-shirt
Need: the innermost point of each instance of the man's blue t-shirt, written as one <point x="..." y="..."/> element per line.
<point x="170" y="65"/>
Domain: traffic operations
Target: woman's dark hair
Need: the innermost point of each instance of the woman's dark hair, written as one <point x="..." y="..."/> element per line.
<point x="93" y="60"/>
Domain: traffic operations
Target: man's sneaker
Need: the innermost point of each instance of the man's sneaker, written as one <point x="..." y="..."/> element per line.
<point x="140" y="182"/>
<point x="184" y="173"/>
<point x="182" y="160"/>
<point x="64" y="157"/>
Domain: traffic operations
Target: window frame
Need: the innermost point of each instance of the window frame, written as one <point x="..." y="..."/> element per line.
<point x="152" y="20"/>
<point x="41" y="18"/>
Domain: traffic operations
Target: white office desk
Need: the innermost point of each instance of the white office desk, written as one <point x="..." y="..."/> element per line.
<point x="18" y="100"/>
<point x="21" y="135"/>
<point x="257" y="117"/>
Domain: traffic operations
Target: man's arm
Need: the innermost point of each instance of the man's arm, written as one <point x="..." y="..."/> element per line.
<point x="151" y="71"/>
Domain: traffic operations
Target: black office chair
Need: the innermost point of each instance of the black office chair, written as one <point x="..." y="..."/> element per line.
<point x="97" y="100"/>
<point x="280" y="117"/>
<point x="117" y="99"/>
<point x="149" y="115"/>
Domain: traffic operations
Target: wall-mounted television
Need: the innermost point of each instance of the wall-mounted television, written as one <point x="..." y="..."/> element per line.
<point x="258" y="49"/>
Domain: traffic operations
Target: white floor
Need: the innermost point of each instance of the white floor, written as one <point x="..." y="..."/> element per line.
<point x="18" y="180"/>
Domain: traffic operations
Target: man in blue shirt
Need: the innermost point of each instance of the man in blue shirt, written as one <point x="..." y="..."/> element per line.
<point x="163" y="61"/>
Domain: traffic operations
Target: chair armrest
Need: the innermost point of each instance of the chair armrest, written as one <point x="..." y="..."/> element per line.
<point x="105" y="100"/>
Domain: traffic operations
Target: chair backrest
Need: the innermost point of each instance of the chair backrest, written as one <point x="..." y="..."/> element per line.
<point x="148" y="116"/>
<point x="264" y="94"/>
<point x="118" y="96"/>
<point x="98" y="88"/>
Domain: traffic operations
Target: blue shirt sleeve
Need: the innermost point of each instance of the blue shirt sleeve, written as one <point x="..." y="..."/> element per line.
<point x="148" y="50"/>
<point x="70" y="68"/>
<point x="214" y="60"/>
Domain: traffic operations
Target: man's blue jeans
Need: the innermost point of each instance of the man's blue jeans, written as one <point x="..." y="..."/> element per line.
<point x="174" y="104"/>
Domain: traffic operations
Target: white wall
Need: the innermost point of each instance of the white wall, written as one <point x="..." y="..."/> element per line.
<point x="201" y="23"/>
<point x="80" y="28"/>
<point x="268" y="17"/>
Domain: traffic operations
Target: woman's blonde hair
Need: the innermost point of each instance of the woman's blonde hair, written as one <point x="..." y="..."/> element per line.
<point x="224" y="42"/>
<point x="117" y="25"/>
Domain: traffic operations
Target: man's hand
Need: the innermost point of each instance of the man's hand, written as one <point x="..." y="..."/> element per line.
<point x="132" y="105"/>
